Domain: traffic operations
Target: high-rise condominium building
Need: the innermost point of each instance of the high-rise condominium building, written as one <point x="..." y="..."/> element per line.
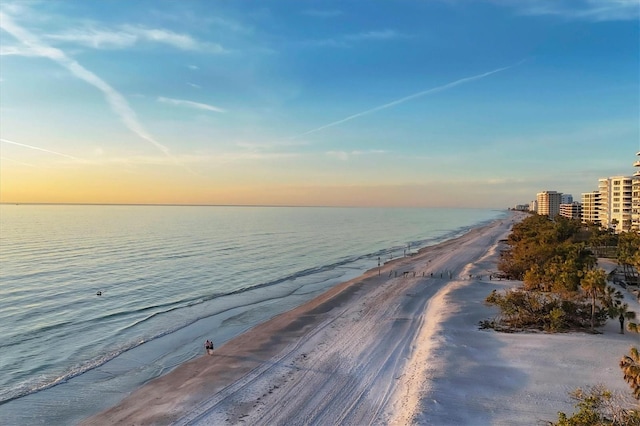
<point x="605" y="201"/>
<point x="635" y="196"/>
<point x="571" y="210"/>
<point x="591" y="207"/>
<point x="616" y="200"/>
<point x="549" y="203"/>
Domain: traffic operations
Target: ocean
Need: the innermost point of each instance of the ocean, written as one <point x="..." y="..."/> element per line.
<point x="169" y="277"/>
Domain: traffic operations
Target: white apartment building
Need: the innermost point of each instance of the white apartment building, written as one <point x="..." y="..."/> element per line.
<point x="571" y="210"/>
<point x="605" y="202"/>
<point x="549" y="203"/>
<point x="591" y="207"/>
<point x="635" y="196"/>
<point x="615" y="202"/>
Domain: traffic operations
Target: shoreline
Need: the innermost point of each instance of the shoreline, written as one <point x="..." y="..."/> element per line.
<point x="193" y="382"/>
<point x="211" y="281"/>
<point x="387" y="349"/>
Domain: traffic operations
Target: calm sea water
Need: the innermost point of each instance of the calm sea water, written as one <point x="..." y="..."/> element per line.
<point x="170" y="277"/>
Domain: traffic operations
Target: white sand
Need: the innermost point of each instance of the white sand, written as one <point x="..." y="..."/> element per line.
<point x="388" y="350"/>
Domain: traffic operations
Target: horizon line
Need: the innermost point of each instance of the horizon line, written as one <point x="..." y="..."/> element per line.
<point x="235" y="205"/>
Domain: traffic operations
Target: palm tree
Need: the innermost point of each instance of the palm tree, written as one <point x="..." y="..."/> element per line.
<point x="622" y="312"/>
<point x="611" y="298"/>
<point x="630" y="365"/>
<point x="594" y="283"/>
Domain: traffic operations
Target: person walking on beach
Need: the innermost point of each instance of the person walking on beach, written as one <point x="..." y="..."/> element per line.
<point x="208" y="346"/>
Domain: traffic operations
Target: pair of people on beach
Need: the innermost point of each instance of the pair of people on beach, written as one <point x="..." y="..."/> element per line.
<point x="208" y="346"/>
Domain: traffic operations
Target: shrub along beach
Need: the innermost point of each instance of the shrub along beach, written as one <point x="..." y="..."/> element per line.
<point x="402" y="343"/>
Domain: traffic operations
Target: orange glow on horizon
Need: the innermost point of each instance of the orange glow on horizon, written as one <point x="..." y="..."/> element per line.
<point x="102" y="185"/>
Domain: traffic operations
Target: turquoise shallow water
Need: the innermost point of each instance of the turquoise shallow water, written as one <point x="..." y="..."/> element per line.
<point x="170" y="277"/>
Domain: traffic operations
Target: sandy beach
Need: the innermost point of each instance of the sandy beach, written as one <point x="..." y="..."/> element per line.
<point x="399" y="345"/>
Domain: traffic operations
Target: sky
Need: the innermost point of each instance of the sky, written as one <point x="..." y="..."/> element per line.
<point x="407" y="103"/>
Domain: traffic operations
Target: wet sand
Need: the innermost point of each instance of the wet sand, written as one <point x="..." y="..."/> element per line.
<point x="389" y="347"/>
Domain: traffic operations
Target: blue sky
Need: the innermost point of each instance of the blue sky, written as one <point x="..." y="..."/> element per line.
<point x="391" y="103"/>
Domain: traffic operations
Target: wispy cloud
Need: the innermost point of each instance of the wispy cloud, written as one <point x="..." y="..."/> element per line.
<point x="190" y="104"/>
<point x="6" y="50"/>
<point x="199" y="159"/>
<point x="326" y="13"/>
<point x="180" y="41"/>
<point x="39" y="149"/>
<point x="588" y="10"/>
<point x="346" y="155"/>
<point x="195" y="86"/>
<point x="193" y="67"/>
<point x="410" y="97"/>
<point x="97" y="39"/>
<point x="375" y="35"/>
<point x="228" y="24"/>
<point x="128" y="35"/>
<point x="266" y="146"/>
<point x="249" y="156"/>
<point x="349" y="40"/>
<point x="116" y="101"/>
<point x="11" y="160"/>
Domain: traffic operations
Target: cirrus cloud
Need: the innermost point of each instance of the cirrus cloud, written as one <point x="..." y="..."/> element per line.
<point x="115" y="99"/>
<point x="190" y="104"/>
<point x="129" y="35"/>
<point x="585" y="10"/>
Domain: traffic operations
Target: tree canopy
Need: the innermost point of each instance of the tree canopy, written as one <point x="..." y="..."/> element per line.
<point x="562" y="288"/>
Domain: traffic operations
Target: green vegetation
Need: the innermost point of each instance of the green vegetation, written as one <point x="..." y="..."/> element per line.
<point x="597" y="406"/>
<point x="603" y="243"/>
<point x="628" y="255"/>
<point x="630" y="365"/>
<point x="562" y="289"/>
<point x="522" y="309"/>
